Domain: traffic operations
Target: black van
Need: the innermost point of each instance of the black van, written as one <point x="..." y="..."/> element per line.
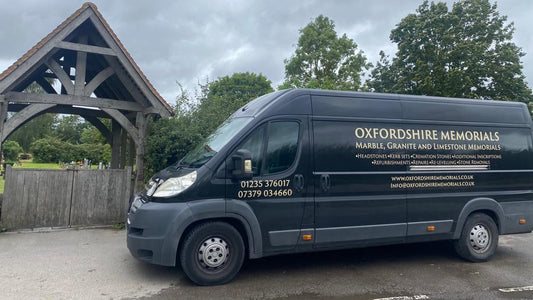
<point x="307" y="170"/>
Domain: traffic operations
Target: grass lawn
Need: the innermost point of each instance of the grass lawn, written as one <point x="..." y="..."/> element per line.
<point x="32" y="165"/>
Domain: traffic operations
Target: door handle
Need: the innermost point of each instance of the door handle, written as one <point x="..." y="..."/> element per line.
<point x="325" y="182"/>
<point x="299" y="182"/>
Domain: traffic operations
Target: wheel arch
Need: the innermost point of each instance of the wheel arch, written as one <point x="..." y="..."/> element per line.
<point x="236" y="222"/>
<point x="234" y="212"/>
<point x="487" y="206"/>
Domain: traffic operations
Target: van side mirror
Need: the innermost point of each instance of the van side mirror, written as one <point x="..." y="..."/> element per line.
<point x="242" y="164"/>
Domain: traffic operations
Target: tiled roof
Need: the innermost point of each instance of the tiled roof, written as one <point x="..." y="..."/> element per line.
<point x="78" y="12"/>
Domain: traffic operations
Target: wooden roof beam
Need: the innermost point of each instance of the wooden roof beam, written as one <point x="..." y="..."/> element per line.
<point x="86" y="48"/>
<point x="46" y="85"/>
<point x="63" y="77"/>
<point x="22" y="117"/>
<point x="97" y="80"/>
<point x="124" y="123"/>
<point x="66" y="110"/>
<point x="18" y="97"/>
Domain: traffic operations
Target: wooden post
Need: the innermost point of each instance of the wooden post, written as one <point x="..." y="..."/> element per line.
<point x="140" y="123"/>
<point x="115" y="147"/>
<point x="3" y="116"/>
<point x="81" y="69"/>
<point x="131" y="164"/>
<point x="131" y="153"/>
<point x="123" y="146"/>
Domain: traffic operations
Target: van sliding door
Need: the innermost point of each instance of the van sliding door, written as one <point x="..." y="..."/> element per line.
<point x="357" y="153"/>
<point x="355" y="162"/>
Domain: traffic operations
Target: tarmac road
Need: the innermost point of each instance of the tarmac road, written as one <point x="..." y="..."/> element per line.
<point x="95" y="264"/>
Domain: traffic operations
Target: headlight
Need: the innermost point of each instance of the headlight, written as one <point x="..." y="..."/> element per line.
<point x="175" y="185"/>
<point x="137" y="202"/>
<point x="150" y="184"/>
<point x="150" y="187"/>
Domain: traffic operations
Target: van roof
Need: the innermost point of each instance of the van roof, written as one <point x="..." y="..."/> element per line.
<point x="329" y="103"/>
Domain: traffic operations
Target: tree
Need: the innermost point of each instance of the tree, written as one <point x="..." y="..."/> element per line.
<point x="197" y="116"/>
<point x="466" y="52"/>
<point x="382" y="77"/>
<point x="324" y="60"/>
<point x="11" y="151"/>
<point x="169" y="140"/>
<point x="225" y="95"/>
<point x="91" y="135"/>
<point x="70" y="128"/>
<point x="33" y="130"/>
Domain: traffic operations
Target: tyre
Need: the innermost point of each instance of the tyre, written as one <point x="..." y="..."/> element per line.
<point x="212" y="253"/>
<point x="479" y="238"/>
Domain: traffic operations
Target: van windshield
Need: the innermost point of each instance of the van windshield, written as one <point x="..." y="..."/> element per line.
<point x="213" y="143"/>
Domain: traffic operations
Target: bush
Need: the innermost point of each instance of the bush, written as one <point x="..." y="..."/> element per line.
<point x="49" y="150"/>
<point x="46" y="150"/>
<point x="11" y="150"/>
<point x="169" y="140"/>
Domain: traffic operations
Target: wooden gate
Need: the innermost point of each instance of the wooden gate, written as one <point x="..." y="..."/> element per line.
<point x="65" y="198"/>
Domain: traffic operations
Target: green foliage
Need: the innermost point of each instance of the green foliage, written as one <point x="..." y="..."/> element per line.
<point x="11" y="150"/>
<point x="119" y="226"/>
<point x="463" y="52"/>
<point x="324" y="60"/>
<point x="34" y="129"/>
<point x="382" y="78"/>
<point x="55" y="150"/>
<point x="169" y="140"/>
<point x="46" y="150"/>
<point x="196" y="117"/>
<point x="70" y="129"/>
<point x="91" y="135"/>
<point x="226" y="95"/>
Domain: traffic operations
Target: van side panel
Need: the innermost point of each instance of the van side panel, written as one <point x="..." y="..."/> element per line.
<point x="497" y="165"/>
<point x="389" y="168"/>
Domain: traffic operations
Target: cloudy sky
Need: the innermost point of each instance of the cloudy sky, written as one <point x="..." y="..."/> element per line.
<point x="189" y="41"/>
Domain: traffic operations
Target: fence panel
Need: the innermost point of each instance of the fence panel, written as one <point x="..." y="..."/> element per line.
<point x="59" y="198"/>
<point x="100" y="196"/>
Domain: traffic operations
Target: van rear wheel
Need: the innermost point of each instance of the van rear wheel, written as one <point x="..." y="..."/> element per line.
<point x="479" y="238"/>
<point x="212" y="253"/>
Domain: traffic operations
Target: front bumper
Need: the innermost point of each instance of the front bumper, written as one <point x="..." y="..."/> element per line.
<point x="152" y="231"/>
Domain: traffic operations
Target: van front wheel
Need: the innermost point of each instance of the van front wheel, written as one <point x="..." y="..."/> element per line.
<point x="212" y="253"/>
<point x="479" y="238"/>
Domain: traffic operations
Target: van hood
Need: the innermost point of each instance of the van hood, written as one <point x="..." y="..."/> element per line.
<point x="172" y="171"/>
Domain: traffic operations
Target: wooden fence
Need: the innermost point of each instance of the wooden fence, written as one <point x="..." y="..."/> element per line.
<point x="65" y="198"/>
